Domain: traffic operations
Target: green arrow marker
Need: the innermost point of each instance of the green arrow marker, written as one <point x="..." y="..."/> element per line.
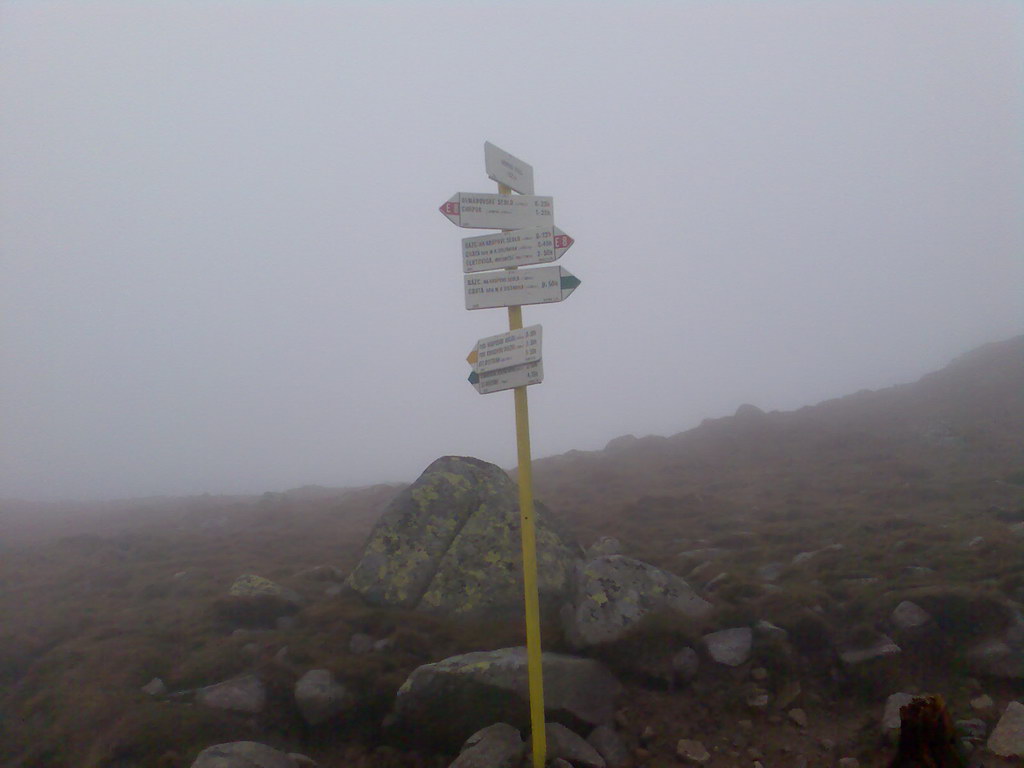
<point x="569" y="282"/>
<point x="473" y="378"/>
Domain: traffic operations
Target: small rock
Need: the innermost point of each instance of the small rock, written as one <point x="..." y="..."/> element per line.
<point x="360" y="643"/>
<point x="685" y="664"/>
<point x="770" y="571"/>
<point x="610" y="746"/>
<point x="983" y="703"/>
<point x="155" y="687"/>
<point x="384" y="644"/>
<point x="759" y="673"/>
<point x="974" y="543"/>
<point x="561" y="742"/>
<point x="798" y="716"/>
<point x="849" y="762"/>
<point x="693" y="751"/>
<point x="757" y="699"/>
<point x="319" y="697"/>
<point x="302" y="761"/>
<point x="891" y="717"/>
<point x="882" y="647"/>
<point x="242" y="754"/>
<point x="1007" y="739"/>
<point x="730" y="646"/>
<point x="241" y="694"/>
<point x="908" y="615"/>
<point x="496" y="746"/>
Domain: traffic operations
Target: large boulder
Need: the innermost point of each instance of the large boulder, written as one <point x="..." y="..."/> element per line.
<point x="245" y="694"/>
<point x="242" y="754"/>
<point x="319" y="697"/>
<point x="447" y="701"/>
<point x="1007" y="740"/>
<point x="450" y="544"/>
<point x="613" y="592"/>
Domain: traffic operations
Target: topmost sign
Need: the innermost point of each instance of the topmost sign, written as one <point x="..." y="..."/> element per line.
<point x="508" y="170"/>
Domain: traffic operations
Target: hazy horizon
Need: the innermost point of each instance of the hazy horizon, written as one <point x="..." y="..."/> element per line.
<point x="226" y="271"/>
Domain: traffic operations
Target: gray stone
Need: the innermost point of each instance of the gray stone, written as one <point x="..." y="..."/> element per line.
<point x="319" y="698"/>
<point x="882" y="647"/>
<point x="692" y="751"/>
<point x="155" y="687"/>
<point x="302" y="761"/>
<point x="496" y="746"/>
<point x="730" y="646"/>
<point x="450" y="544"/>
<point x="982" y="703"/>
<point x="241" y="694"/>
<point x="996" y="658"/>
<point x="612" y="593"/>
<point x="1007" y="739"/>
<point x="444" y="702"/>
<point x="242" y="754"/>
<point x="891" y="717"/>
<point x="563" y="743"/>
<point x="610" y="746"/>
<point x="909" y="616"/>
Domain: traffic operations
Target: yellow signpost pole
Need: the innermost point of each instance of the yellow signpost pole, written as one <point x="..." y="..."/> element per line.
<point x="529" y="537"/>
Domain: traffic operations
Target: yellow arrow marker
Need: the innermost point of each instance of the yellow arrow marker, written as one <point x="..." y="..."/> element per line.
<point x="472" y="357"/>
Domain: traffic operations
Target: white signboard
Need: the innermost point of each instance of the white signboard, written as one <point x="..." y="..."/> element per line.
<point x="508" y="378"/>
<point x="480" y="210"/>
<point x="539" y="285"/>
<point x="506" y="349"/>
<point x="515" y="248"/>
<point x="507" y="169"/>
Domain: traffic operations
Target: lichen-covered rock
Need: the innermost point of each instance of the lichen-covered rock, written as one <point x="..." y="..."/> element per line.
<point x="496" y="746"/>
<point x="242" y="754"/>
<point x="251" y="585"/>
<point x="450" y="544"/>
<point x="612" y="593"/>
<point x="444" y="702"/>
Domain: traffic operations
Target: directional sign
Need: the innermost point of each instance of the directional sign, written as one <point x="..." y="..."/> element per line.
<point x="515" y="248"/>
<point x="508" y="378"/>
<point x="506" y="349"/>
<point x="540" y="285"/>
<point x="481" y="210"/>
<point x="507" y="169"/>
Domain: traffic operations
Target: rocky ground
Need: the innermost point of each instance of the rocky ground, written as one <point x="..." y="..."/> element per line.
<point x="766" y="589"/>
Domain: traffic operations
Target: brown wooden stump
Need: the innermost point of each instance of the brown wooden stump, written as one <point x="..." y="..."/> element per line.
<point x="927" y="738"/>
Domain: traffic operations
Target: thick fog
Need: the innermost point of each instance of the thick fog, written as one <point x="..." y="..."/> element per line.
<point x="225" y="270"/>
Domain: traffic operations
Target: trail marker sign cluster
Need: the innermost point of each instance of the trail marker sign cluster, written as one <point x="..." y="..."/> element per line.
<point x="513" y="360"/>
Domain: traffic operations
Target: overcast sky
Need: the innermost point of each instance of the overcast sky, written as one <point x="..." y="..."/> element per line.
<point x="224" y="269"/>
